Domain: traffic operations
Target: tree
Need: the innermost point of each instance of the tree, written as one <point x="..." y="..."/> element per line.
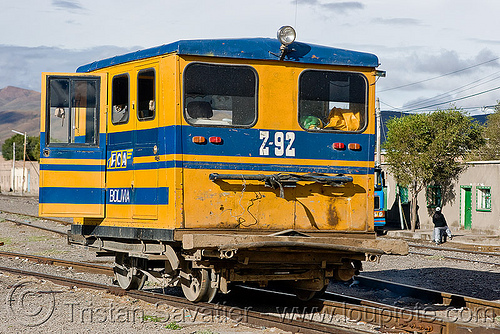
<point x="32" y="147"/>
<point x="428" y="149"/>
<point x="490" y="151"/>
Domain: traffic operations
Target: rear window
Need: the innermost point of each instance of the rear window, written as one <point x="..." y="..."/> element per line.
<point x="220" y="95"/>
<point x="332" y="101"/>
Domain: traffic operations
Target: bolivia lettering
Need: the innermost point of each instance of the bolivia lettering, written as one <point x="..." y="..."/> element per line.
<point x="119" y="195"/>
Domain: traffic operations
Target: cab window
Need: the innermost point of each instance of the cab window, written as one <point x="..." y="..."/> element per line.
<point x="72" y="111"/>
<point x="120" y="97"/>
<point x="220" y="95"/>
<point x="332" y="101"/>
<point x="146" y="104"/>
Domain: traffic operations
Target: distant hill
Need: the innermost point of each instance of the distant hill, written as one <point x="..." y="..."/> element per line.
<point x="19" y="110"/>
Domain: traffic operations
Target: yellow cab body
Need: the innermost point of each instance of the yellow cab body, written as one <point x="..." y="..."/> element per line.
<point x="217" y="134"/>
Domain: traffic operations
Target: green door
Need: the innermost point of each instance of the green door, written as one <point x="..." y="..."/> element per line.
<point x="467" y="207"/>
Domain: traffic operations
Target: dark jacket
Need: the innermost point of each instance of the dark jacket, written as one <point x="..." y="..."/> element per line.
<point x="438" y="220"/>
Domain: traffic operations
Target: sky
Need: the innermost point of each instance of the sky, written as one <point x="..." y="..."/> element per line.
<point x="436" y="53"/>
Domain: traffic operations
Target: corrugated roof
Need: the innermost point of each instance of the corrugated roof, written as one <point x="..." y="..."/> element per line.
<point x="251" y="48"/>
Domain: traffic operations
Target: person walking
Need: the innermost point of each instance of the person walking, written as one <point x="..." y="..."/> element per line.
<point x="441" y="229"/>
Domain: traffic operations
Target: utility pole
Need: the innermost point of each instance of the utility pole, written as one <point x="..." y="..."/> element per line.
<point x="24" y="160"/>
<point x="13" y="181"/>
<point x="378" y="158"/>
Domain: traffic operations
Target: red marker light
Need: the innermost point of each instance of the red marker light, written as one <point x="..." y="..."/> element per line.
<point x="199" y="140"/>
<point x="215" y="140"/>
<point x="354" y="147"/>
<point x="339" y="146"/>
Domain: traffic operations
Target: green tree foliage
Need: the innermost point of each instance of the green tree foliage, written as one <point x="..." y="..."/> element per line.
<point x="428" y="149"/>
<point x="491" y="150"/>
<point x="32" y="147"/>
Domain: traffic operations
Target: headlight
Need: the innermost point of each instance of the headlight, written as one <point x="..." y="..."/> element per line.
<point x="286" y="35"/>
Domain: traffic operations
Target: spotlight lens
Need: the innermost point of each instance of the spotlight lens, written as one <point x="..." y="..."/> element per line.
<point x="286" y="35"/>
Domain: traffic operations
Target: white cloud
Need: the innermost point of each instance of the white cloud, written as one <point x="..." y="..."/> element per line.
<point x="22" y="66"/>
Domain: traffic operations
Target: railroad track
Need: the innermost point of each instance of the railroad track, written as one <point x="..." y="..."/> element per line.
<point x="386" y="316"/>
<point x="485" y="256"/>
<point x="485" y="250"/>
<point x="64" y="222"/>
<point x="78" y="266"/>
<point x="246" y="316"/>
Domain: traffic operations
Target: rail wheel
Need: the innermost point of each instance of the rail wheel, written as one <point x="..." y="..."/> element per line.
<point x="304" y="295"/>
<point x="196" y="285"/>
<point x="126" y="274"/>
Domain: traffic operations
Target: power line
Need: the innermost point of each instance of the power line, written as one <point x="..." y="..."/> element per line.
<point x="440" y="76"/>
<point x="457" y="99"/>
<point x="457" y="90"/>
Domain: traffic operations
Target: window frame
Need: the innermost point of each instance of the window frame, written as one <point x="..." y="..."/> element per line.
<point x="367" y="99"/>
<point x="479" y="198"/>
<point x="403" y="193"/>
<point x="256" y="97"/>
<point x="145" y="119"/>
<point x="436" y="192"/>
<point x="127" y="75"/>
<point x="69" y="134"/>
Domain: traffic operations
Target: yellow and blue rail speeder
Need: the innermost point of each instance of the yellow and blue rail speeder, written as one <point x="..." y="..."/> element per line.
<point x="205" y="162"/>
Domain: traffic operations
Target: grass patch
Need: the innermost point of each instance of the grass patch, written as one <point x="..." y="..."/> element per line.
<point x="153" y="318"/>
<point x="173" y="326"/>
<point x="36" y="238"/>
<point x="6" y="241"/>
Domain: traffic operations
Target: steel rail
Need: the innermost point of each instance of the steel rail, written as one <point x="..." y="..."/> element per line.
<point x="246" y="316"/>
<point x="449" y="299"/>
<point x="458" y="250"/>
<point x="455" y="258"/>
<point x="65" y="233"/>
<point x="79" y="266"/>
<point x="353" y="308"/>
<point x="403" y="289"/>
<point x="36" y="217"/>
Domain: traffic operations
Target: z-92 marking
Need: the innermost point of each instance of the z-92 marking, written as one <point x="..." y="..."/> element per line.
<point x="283" y="143"/>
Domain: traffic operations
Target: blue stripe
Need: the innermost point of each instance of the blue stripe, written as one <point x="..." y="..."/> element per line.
<point x="146" y="196"/>
<point x="139" y="196"/>
<point x="236" y="143"/>
<point x="245" y="142"/>
<point x="73" y="168"/>
<point x="71" y="195"/>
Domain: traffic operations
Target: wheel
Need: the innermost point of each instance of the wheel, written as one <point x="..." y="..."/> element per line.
<point x="196" y="285"/>
<point x="304" y="295"/>
<point x="127" y="276"/>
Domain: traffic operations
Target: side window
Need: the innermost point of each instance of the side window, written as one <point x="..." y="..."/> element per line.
<point x="146" y="104"/>
<point x="434" y="196"/>
<point x="483" y="198"/>
<point x="73" y="109"/>
<point x="332" y="101"/>
<point x="120" y="98"/>
<point x="220" y="95"/>
<point x="377" y="202"/>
